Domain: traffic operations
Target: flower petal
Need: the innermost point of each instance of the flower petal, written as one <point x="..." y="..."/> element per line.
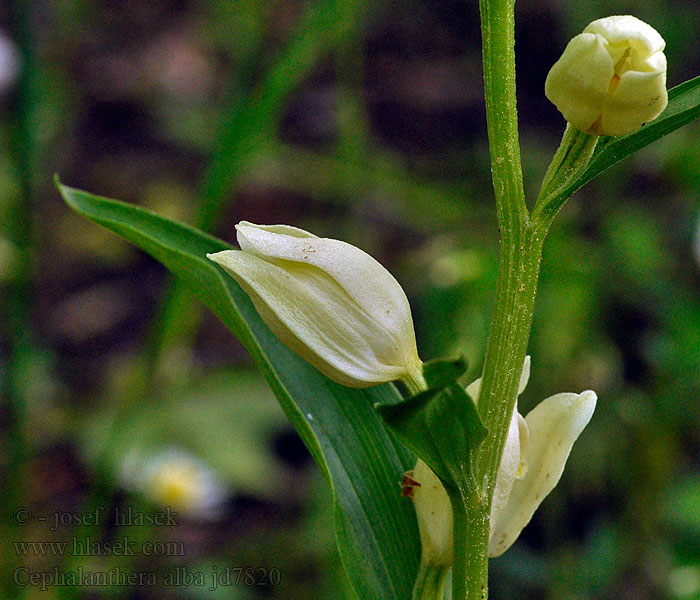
<point x="578" y="82"/>
<point x="434" y="513"/>
<point x="638" y="99"/>
<point x="554" y="426"/>
<point x="474" y="387"/>
<point x="626" y="29"/>
<point x="369" y="284"/>
<point x="524" y="375"/>
<point x="524" y="433"/>
<point x="245" y="229"/>
<point x="313" y="315"/>
<point x="611" y="79"/>
<point x="508" y="469"/>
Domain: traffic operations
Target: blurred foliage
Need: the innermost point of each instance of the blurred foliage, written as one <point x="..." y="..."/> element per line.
<point x="370" y="128"/>
<point x="222" y="419"/>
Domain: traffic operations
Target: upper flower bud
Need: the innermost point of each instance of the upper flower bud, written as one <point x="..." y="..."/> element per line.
<point x="611" y="79"/>
<point x="330" y="302"/>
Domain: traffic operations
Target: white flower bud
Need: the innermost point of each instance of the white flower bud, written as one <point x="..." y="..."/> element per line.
<point x="330" y="302"/>
<point x="532" y="463"/>
<point x="611" y="79"/>
<point x="434" y="515"/>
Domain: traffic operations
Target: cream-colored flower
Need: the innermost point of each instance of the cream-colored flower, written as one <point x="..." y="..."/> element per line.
<point x="330" y="302"/>
<point x="532" y="463"/>
<point x="611" y="79"/>
<point x="176" y="479"/>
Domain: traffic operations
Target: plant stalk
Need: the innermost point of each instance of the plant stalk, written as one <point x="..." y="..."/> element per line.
<point x="517" y="276"/>
<point x="570" y="160"/>
<point x="415" y="381"/>
<point x="521" y="246"/>
<point x="471" y="541"/>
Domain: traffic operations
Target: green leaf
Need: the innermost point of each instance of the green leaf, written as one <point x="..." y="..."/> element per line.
<point x="441" y="372"/>
<point x="376" y="528"/>
<point x="442" y="427"/>
<point x="683" y="107"/>
<point x="438" y="373"/>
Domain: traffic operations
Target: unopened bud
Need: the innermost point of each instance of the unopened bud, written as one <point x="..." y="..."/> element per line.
<point x="329" y="302"/>
<point x="611" y="79"/>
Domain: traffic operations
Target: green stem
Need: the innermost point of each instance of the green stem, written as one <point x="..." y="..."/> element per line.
<point x="521" y="246"/>
<point x="498" y="40"/>
<point x="516" y="286"/>
<point x="521" y="253"/>
<point x="508" y="337"/>
<point x="517" y="276"/>
<point x="470" y="546"/>
<point x="430" y="583"/>
<point x="570" y="159"/>
<point x="415" y="381"/>
<point x="510" y="330"/>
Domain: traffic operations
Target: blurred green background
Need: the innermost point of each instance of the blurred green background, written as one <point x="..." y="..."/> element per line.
<point x="356" y="120"/>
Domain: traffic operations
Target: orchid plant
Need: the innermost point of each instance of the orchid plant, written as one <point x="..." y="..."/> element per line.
<point x="330" y="328"/>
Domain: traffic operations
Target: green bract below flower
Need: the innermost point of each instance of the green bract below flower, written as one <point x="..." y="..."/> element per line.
<point x="611" y="79"/>
<point x="330" y="302"/>
<point x="533" y="461"/>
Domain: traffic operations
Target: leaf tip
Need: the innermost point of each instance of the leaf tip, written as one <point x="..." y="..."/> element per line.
<point x="63" y="190"/>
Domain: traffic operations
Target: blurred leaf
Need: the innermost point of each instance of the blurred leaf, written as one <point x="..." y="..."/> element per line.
<point x="250" y="126"/>
<point x="424" y="204"/>
<point x="683" y="506"/>
<point x="376" y="528"/>
<point x="191" y="419"/>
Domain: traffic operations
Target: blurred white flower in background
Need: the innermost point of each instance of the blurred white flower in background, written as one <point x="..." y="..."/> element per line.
<point x="175" y="479"/>
<point x="9" y="62"/>
<point x="684" y="581"/>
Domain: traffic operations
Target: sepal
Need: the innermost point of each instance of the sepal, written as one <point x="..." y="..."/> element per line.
<point x="554" y="425"/>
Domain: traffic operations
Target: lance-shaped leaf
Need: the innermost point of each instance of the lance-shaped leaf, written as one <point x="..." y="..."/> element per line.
<point x="376" y="528"/>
